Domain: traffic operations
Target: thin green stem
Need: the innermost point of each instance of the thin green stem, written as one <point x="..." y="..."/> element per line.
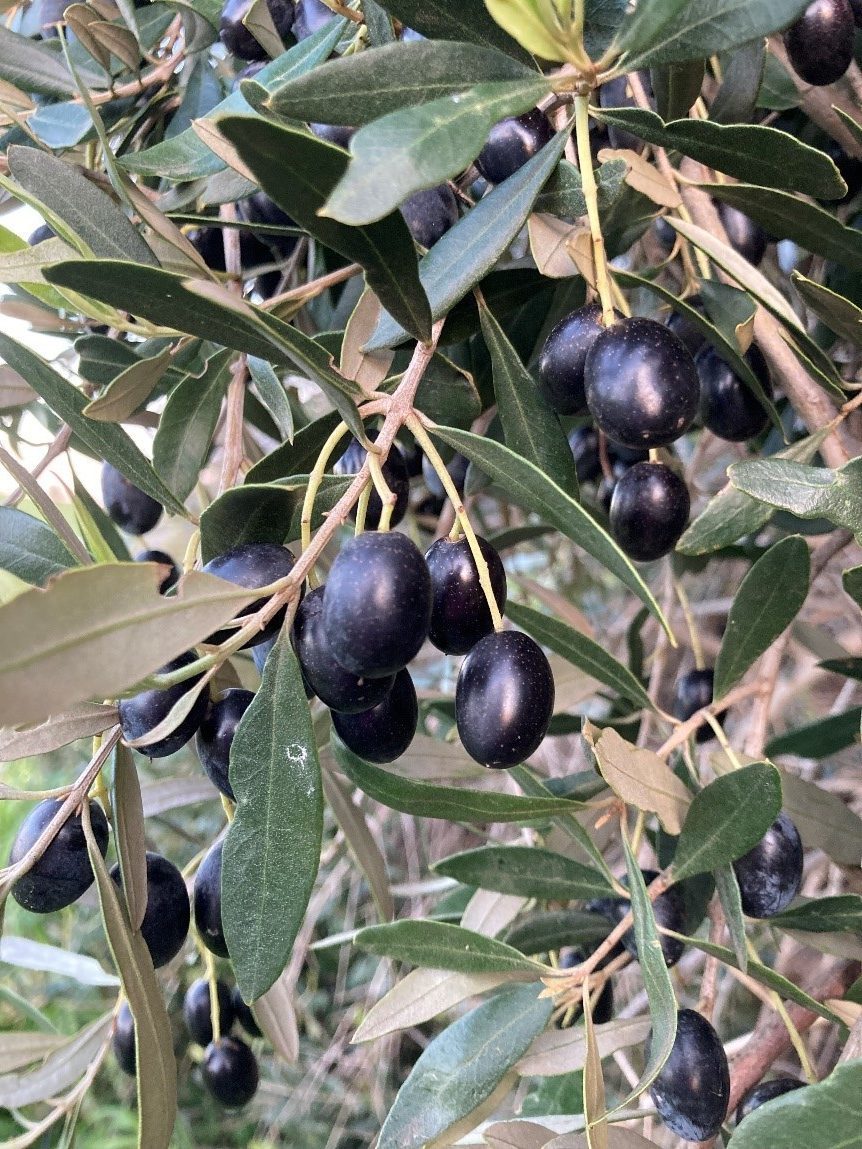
<point x="588" y="181"/>
<point x="387" y="497"/>
<point x="315" y="479"/>
<point x="694" y="636"/>
<point x="424" y="440"/>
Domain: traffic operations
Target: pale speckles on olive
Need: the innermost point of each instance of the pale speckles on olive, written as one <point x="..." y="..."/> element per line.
<point x="692" y="1091"/>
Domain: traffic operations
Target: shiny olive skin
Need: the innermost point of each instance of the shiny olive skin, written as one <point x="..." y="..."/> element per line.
<point x="238" y="39"/>
<point x="336" y="687"/>
<point x="123" y="1040"/>
<point x="382" y="733"/>
<point x="130" y="508"/>
<point x="511" y="143"/>
<point x="252" y="565"/>
<point x="243" y="1014"/>
<point x="584" y="444"/>
<point x="765" y="1091"/>
<point x="856" y="8"/>
<point x="728" y="406"/>
<point x="215" y="736"/>
<point x="395" y="474"/>
<point x="692" y="692"/>
<point x="197" y="1010"/>
<point x="504" y="699"/>
<point x="230" y="1072"/>
<point x="457" y="471"/>
<point x="649" y="511"/>
<point x="63" y="873"/>
<point x="145" y="711"/>
<point x="746" y="236"/>
<point x="207" y="901"/>
<point x="692" y="1091"/>
<point x="617" y="93"/>
<point x="666" y="234"/>
<point x="377" y="604"/>
<point x="311" y="16"/>
<point x="168" y="914"/>
<point x="429" y="214"/>
<point x="603" y="1005"/>
<point x="770" y="875"/>
<point x="561" y="363"/>
<point x="669" y="910"/>
<point x="173" y="575"/>
<point x="459" y="612"/>
<point x="820" y="44"/>
<point x="641" y="384"/>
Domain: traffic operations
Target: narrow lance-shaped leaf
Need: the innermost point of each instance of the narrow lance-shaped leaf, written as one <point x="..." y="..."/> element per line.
<point x="105" y="440"/>
<point x="823" y="1116"/>
<point x="526" y="872"/>
<point x="839" y="314"/>
<point x="417" y="148"/>
<point x="272" y="850"/>
<point x="440" y="945"/>
<point x="299" y="171"/>
<point x="770" y="597"/>
<point x="531" y="428"/>
<point x="130" y="834"/>
<point x="727" y="888"/>
<point x="470" y="249"/>
<point x="533" y="490"/>
<point x="469" y="20"/>
<point x="29" y="549"/>
<point x="357" y="89"/>
<point x="462" y="1067"/>
<point x="727" y="819"/>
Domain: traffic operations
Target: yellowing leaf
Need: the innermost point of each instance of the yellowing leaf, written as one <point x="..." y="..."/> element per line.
<point x="639" y="777"/>
<point x="523" y="19"/>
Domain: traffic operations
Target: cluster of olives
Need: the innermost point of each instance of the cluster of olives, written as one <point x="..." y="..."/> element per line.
<point x="643" y="383"/>
<point x="820" y="44"/>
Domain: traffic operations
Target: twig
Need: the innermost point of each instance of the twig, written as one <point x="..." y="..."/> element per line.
<point x="57" y="447"/>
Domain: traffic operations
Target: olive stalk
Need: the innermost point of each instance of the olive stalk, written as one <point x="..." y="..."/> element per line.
<point x="588" y="181"/>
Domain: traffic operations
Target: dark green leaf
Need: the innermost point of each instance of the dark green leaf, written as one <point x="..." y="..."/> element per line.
<point x="186" y="157"/>
<point x="839" y="914"/>
<point x="852" y="580"/>
<point x="657" y="983"/>
<point x="824" y="1116"/>
<point x="531" y="489"/>
<point x="727" y="888"/>
<point x="770" y="597"/>
<point x="677" y="87"/>
<point x="580" y="650"/>
<point x="29" y="549"/>
<point x="456" y="805"/>
<point x="94" y="521"/>
<point x="462" y="1067"/>
<point x="736" y="99"/>
<point x="643" y="27"/>
<point x="357" y="89"/>
<point x="731" y="514"/>
<point x="33" y="67"/>
<point x="270" y="390"/>
<point x="787" y="216"/>
<point x="704" y="28"/>
<point x="807" y="492"/>
<point x="272" y="850"/>
<point x="527" y="872"/>
<point x="417" y="148"/>
<point x="469" y="20"/>
<point x="298" y="171"/>
<point x="553" y="929"/>
<point x="447" y="393"/>
<point x="838" y="313"/>
<point x="530" y="426"/>
<point x="90" y="213"/>
<point x="727" y="819"/>
<point x="296" y="457"/>
<point x="106" y="440"/>
<point x="187" y="424"/>
<point x="764" y="975"/>
<point x="820" y="739"/>
<point x="441" y="945"/>
<point x="210" y="313"/>
<point x="749" y="152"/>
<point x="248" y="514"/>
<point x="470" y="249"/>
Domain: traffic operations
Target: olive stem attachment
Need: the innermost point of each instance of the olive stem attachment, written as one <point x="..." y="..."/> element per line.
<point x="588" y="181"/>
<point x="694" y="636"/>
<point x="215" y="1012"/>
<point x="314" y="481"/>
<point x="362" y="509"/>
<point x="722" y="740"/>
<point x="422" y="437"/>
<point x="384" y="492"/>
